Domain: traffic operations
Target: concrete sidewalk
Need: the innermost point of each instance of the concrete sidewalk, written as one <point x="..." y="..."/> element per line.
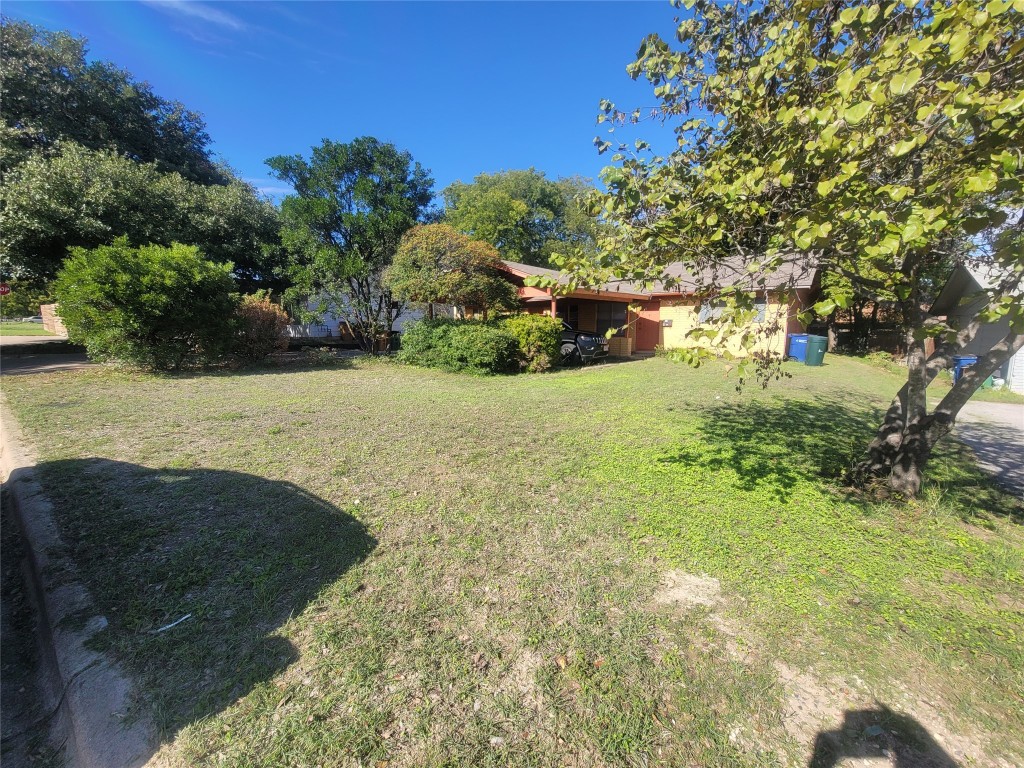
<point x="995" y="432"/>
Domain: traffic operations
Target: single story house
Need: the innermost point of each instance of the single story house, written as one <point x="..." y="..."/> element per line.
<point x="662" y="313"/>
<point x="959" y="301"/>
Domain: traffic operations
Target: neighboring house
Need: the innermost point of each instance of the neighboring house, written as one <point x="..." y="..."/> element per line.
<point x="333" y="327"/>
<point x="959" y="301"/>
<point x="663" y="313"/>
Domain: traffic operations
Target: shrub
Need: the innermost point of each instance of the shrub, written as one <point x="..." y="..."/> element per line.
<point x="156" y="307"/>
<point x="539" y="338"/>
<point x="460" y="345"/>
<point x="260" y="329"/>
<point x="318" y="356"/>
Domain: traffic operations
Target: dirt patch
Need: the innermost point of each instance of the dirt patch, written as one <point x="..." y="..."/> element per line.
<point x="685" y="590"/>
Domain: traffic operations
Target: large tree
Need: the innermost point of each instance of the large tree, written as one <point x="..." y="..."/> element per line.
<point x="435" y="264"/>
<point x="523" y="214"/>
<point x="52" y="93"/>
<point x="876" y="140"/>
<point x="77" y="197"/>
<point x="352" y="204"/>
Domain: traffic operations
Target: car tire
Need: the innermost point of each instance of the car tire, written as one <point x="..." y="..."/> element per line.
<point x="570" y="354"/>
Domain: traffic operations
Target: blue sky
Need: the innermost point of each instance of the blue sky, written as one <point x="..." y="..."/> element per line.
<point x="466" y="87"/>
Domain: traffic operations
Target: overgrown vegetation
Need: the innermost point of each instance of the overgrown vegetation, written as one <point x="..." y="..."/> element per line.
<point x="438" y="569"/>
<point x="259" y="329"/>
<point x="506" y="345"/>
<point x="151" y="307"/>
<point x="460" y="345"/>
<point x="539" y="338"/>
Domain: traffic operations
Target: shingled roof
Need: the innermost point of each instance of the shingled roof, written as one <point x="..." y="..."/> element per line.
<point x="797" y="271"/>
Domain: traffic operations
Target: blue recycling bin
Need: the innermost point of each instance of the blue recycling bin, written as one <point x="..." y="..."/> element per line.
<point x="798" y="347"/>
<point x="959" y="363"/>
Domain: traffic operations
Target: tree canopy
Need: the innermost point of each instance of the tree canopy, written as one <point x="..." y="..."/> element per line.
<point x="876" y="140"/>
<point x="352" y="204"/>
<point x="523" y="214"/>
<point x="86" y="198"/>
<point x="435" y="264"/>
<point x="53" y="94"/>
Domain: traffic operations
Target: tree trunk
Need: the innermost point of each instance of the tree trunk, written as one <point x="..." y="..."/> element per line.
<point x="904" y="442"/>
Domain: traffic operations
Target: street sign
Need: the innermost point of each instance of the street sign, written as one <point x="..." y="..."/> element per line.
<point x="4" y="289"/>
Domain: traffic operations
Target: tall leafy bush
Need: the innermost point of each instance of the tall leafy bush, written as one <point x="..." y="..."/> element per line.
<point x="539" y="338"/>
<point x="156" y="307"/>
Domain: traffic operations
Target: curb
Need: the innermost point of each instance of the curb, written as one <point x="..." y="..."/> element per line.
<point x="88" y="691"/>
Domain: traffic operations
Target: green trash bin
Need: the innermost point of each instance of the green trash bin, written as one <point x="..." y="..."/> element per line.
<point x="816" y="346"/>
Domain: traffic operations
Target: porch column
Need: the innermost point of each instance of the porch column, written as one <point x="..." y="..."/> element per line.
<point x="554" y="304"/>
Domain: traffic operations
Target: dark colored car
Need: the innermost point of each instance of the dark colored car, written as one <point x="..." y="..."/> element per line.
<point x="582" y="346"/>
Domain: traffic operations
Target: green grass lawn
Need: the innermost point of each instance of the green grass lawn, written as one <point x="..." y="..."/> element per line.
<point x="390" y="566"/>
<point x="23" y="329"/>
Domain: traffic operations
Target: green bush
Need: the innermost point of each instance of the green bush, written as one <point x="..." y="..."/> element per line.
<point x="153" y="307"/>
<point x="460" y="345"/>
<point x="260" y="329"/>
<point x="539" y="338"/>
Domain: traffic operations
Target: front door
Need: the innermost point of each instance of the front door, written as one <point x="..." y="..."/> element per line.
<point x="648" y="327"/>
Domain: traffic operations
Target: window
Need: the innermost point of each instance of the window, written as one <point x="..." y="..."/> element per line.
<point x="571" y="314"/>
<point x="611" y="316"/>
<point x="710" y="311"/>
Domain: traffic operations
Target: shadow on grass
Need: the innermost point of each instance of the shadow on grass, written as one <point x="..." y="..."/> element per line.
<point x="774" y="446"/>
<point x="880" y="733"/>
<point x="235" y="553"/>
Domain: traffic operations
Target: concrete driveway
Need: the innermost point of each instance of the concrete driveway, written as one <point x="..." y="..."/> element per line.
<point x="995" y="432"/>
<point x="20" y="355"/>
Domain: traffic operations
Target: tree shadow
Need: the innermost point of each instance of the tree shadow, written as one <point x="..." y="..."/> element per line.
<point x="880" y="733"/>
<point x="235" y="553"/>
<point x="774" y="445"/>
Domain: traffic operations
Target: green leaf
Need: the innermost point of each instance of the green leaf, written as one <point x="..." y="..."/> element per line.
<point x="912" y="230"/>
<point x="849" y="15"/>
<point x="845" y="83"/>
<point x="998" y="7"/>
<point x="1012" y="104"/>
<point x="901" y="148"/>
<point x="903" y="83"/>
<point x="825" y="186"/>
<point x="857" y="112"/>
<point x="985" y="181"/>
<point x="825" y="308"/>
